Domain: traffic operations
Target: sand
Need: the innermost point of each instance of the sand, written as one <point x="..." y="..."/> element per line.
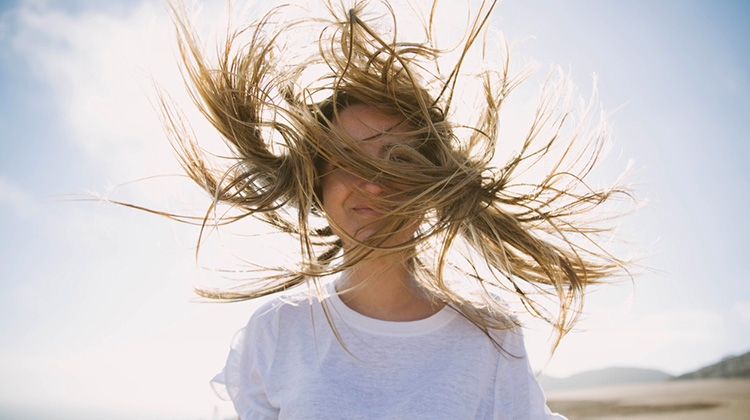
<point x="715" y="399"/>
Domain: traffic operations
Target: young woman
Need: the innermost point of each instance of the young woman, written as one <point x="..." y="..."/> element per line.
<point x="408" y="234"/>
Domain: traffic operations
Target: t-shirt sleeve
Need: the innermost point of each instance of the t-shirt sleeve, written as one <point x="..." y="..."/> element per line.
<point x="518" y="394"/>
<point x="250" y="356"/>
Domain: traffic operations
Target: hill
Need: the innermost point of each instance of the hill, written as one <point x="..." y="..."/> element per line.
<point x="603" y="377"/>
<point x="729" y="367"/>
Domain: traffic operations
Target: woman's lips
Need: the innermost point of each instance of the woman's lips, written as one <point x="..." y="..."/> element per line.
<point x="367" y="212"/>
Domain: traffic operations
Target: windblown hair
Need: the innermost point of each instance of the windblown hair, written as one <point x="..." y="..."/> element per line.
<point x="275" y="108"/>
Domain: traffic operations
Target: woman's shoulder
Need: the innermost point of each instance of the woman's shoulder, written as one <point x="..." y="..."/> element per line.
<point x="288" y="306"/>
<point x="488" y="315"/>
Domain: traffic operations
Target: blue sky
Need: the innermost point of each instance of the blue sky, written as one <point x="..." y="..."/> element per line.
<point x="95" y="300"/>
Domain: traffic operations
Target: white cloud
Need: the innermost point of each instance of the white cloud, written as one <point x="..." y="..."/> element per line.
<point x="92" y="63"/>
<point x="100" y="67"/>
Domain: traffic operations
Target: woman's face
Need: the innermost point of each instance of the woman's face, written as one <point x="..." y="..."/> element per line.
<point x="350" y="202"/>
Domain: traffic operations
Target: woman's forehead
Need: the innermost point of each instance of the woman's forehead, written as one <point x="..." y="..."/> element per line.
<point x="365" y="122"/>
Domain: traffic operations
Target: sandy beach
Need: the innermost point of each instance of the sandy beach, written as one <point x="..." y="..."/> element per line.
<point x="725" y="399"/>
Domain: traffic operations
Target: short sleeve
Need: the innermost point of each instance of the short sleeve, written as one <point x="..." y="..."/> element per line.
<point x="518" y="394"/>
<point x="250" y="357"/>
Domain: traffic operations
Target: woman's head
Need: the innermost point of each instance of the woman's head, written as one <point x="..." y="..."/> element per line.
<point x="381" y="155"/>
<point x="372" y="145"/>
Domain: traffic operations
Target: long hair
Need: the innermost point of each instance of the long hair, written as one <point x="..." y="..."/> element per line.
<point x="538" y="241"/>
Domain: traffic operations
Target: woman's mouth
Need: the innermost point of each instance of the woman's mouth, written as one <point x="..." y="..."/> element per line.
<point x="367" y="212"/>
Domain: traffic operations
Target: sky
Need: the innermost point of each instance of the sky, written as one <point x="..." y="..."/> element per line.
<point x="96" y="310"/>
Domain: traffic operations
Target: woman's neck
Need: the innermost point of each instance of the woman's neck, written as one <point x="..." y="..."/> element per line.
<point x="384" y="288"/>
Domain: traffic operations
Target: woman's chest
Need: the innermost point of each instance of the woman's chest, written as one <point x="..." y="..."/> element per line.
<point x="384" y="377"/>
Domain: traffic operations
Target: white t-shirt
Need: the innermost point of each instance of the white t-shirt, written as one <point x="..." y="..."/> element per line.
<point x="288" y="364"/>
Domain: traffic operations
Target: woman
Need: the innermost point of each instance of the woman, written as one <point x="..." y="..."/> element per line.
<point x="408" y="235"/>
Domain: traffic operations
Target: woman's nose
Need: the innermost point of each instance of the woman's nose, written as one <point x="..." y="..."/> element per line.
<point x="370" y="188"/>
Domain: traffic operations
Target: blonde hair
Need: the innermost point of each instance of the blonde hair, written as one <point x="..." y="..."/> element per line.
<point x="537" y="241"/>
